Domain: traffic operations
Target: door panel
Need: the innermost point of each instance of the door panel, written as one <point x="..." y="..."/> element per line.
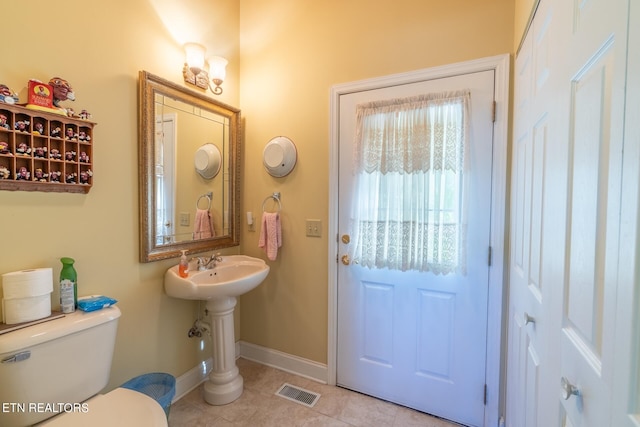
<point x="419" y="339"/>
<point x="377" y="310"/>
<point x="584" y="286"/>
<point x="532" y="382"/>
<point x="436" y="316"/>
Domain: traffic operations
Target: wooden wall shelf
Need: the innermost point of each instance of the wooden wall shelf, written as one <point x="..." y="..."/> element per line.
<point x="43" y="151"/>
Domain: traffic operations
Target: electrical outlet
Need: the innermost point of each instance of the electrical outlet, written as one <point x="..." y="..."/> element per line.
<point x="184" y="219"/>
<point x="314" y="228"/>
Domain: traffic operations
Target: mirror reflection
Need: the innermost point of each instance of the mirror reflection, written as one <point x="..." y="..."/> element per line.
<point x="189" y="145"/>
<point x="182" y="194"/>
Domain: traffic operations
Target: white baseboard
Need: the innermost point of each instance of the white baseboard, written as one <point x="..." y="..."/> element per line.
<point x="192" y="379"/>
<point x="285" y="362"/>
<point x="274" y="358"/>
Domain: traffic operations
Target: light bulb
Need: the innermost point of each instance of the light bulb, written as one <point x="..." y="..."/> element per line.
<point x="194" y="57"/>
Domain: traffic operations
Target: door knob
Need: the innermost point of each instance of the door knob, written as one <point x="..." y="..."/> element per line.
<point x="528" y="319"/>
<point x="346" y="239"/>
<point x="568" y="389"/>
<point x="346" y="260"/>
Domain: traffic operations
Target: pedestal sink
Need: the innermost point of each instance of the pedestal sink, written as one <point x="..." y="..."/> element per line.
<point x="220" y="287"/>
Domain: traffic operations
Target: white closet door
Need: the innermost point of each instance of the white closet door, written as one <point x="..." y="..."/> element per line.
<point x="536" y="183"/>
<point x="592" y="78"/>
<point x="566" y="192"/>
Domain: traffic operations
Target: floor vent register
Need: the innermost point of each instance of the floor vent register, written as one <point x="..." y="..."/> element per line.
<point x="298" y="395"/>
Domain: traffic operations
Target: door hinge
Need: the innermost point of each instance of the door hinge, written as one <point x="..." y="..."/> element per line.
<point x="485" y="394"/>
<point x="489" y="257"/>
<point x="493" y="113"/>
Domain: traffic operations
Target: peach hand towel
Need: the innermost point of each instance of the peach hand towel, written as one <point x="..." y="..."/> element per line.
<point x="203" y="229"/>
<point x="270" y="234"/>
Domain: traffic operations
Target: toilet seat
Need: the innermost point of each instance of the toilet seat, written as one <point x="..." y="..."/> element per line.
<point x="121" y="407"/>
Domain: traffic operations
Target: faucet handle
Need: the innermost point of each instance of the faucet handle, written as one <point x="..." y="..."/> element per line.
<point x="201" y="263"/>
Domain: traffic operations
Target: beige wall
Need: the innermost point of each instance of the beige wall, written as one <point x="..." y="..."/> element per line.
<point x="292" y="52"/>
<point x="522" y="14"/>
<point x="100" y="47"/>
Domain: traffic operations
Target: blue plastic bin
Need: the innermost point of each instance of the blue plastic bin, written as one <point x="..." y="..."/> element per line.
<point x="157" y="385"/>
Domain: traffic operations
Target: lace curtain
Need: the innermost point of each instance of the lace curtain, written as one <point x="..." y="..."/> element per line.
<point x="409" y="164"/>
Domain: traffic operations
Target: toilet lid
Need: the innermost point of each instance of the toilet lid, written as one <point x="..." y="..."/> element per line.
<point x="121" y="407"/>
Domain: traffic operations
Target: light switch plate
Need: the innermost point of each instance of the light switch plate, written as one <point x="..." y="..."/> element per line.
<point x="184" y="219"/>
<point x="314" y="228"/>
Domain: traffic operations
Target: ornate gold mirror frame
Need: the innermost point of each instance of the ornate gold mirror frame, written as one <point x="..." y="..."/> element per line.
<point x="156" y="96"/>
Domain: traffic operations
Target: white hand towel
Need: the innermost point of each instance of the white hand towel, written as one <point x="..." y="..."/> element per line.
<point x="203" y="229"/>
<point x="270" y="234"/>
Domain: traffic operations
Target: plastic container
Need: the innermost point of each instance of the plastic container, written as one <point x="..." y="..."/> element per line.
<point x="68" y="286"/>
<point x="183" y="268"/>
<point x="158" y="385"/>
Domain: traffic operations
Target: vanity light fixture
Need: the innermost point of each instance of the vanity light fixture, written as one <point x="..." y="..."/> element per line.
<point x="196" y="70"/>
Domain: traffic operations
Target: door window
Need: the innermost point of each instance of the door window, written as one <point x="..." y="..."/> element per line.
<point x="409" y="164"/>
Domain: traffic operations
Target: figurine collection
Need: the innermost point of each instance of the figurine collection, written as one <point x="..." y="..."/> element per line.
<point x="45" y="97"/>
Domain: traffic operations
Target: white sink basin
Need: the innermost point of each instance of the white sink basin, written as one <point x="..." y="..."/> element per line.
<point x="232" y="277"/>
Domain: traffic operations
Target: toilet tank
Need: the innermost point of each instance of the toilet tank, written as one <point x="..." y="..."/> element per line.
<point x="46" y="368"/>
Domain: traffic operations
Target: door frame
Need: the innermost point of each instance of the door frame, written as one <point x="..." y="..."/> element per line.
<point x="496" y="328"/>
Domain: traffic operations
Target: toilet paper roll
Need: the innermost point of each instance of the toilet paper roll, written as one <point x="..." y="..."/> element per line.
<point x="21" y="310"/>
<point x="29" y="274"/>
<point x="27" y="283"/>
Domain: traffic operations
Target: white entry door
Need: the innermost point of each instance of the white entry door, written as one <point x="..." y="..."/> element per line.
<point x="419" y="338"/>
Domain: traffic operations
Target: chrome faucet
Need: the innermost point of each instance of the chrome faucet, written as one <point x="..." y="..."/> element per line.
<point x="208" y="264"/>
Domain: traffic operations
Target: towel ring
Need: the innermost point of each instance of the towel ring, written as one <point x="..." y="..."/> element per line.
<point x="274" y="196"/>
<point x="208" y="196"/>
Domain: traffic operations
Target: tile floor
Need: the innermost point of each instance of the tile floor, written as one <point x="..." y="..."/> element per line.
<point x="259" y="406"/>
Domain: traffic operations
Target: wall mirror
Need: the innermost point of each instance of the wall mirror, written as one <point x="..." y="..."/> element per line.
<point x="182" y="208"/>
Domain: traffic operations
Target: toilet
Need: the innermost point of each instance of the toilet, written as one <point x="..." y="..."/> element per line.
<point x="51" y="373"/>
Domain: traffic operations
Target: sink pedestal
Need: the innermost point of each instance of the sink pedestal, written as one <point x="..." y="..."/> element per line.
<point x="225" y="383"/>
<point x="219" y="287"/>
